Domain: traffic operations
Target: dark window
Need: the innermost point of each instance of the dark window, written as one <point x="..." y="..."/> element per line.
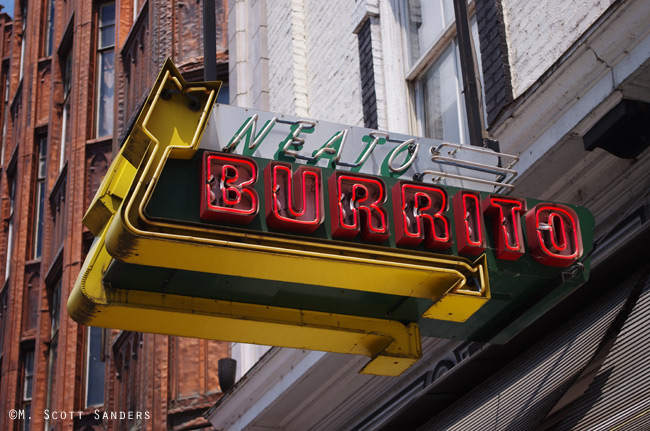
<point x="3" y="319"/>
<point x="105" y="69"/>
<point x="5" y="118"/>
<point x="58" y="212"/>
<point x="28" y="388"/>
<point x="95" y="368"/>
<point x="127" y="381"/>
<point x="23" y="37"/>
<point x="3" y="325"/>
<point x="67" y="90"/>
<point x="49" y="29"/>
<point x="39" y="197"/>
<point x="10" y="225"/>
<point x="31" y="295"/>
<point x="55" y="308"/>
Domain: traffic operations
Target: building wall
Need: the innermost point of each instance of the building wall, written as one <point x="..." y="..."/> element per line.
<point x="332" y="52"/>
<point x="546" y="28"/>
<point x="172" y="379"/>
<point x="313" y="58"/>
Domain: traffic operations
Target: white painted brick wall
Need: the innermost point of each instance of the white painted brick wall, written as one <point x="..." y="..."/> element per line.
<point x="540" y="31"/>
<point x="333" y="61"/>
<point x="280" y="47"/>
<point x="314" y="60"/>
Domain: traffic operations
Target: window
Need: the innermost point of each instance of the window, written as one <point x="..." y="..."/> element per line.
<point x="435" y="72"/>
<point x="3" y="325"/>
<point x="127" y="376"/>
<point x="23" y="38"/>
<point x="5" y="118"/>
<point x="3" y="319"/>
<point x="10" y="224"/>
<point x="31" y="295"/>
<point x="39" y="197"/>
<point x="55" y="305"/>
<point x="58" y="213"/>
<point x="105" y="69"/>
<point x="67" y="90"/>
<point x="28" y="388"/>
<point x="95" y="368"/>
<point x="49" y="29"/>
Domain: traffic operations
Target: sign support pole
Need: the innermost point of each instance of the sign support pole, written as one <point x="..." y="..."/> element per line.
<point x="209" y="42"/>
<point x="472" y="108"/>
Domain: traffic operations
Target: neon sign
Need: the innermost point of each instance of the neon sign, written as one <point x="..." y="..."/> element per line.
<point x="554" y="234"/>
<point x="293" y="203"/>
<point x="418" y="211"/>
<point x="239" y="225"/>
<point x="357" y="207"/>
<point x="227" y="194"/>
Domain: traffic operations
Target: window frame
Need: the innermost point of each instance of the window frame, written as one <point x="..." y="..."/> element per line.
<point x="417" y="69"/>
<point x="66" y="104"/>
<point x="101" y="51"/>
<point x="48" y="29"/>
<point x="87" y="359"/>
<point x="5" y="113"/>
<point x="39" y="194"/>
<point x="11" y="183"/>
<point x="54" y="300"/>
<point x="23" y="37"/>
<point x="26" y="401"/>
<point x="4" y="300"/>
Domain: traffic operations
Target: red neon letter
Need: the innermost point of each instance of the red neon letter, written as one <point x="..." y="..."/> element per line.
<point x="506" y="215"/>
<point x="554" y="235"/>
<point x="293" y="204"/>
<point x="418" y="215"/>
<point x="356" y="206"/>
<point x="469" y="224"/>
<point x="226" y="192"/>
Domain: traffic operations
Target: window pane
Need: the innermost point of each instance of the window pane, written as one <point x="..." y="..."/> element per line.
<point x="67" y="75"/>
<point x="426" y="21"/>
<point x="51" y="378"/>
<point x="107" y="37"/>
<point x="38" y="231"/>
<point x="40" y="196"/>
<point x="49" y="28"/>
<point x="3" y="318"/>
<point x="107" y="14"/>
<point x="27" y="417"/>
<point x="94" y="369"/>
<point x="448" y="11"/>
<point x="105" y="94"/>
<point x="106" y="25"/>
<point x="440" y="97"/>
<point x="54" y="310"/>
<point x="29" y="375"/>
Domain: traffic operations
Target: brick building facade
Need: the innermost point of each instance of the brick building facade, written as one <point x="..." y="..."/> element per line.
<point x="73" y="76"/>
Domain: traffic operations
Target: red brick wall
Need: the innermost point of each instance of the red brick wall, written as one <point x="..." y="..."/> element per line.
<point x="174" y="379"/>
